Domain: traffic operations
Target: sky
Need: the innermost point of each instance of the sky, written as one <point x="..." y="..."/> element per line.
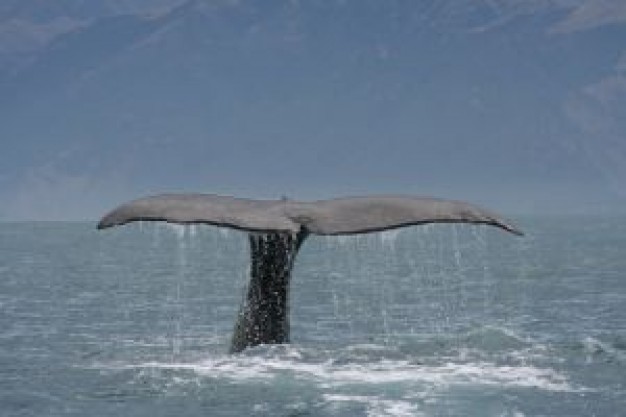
<point x="519" y="106"/>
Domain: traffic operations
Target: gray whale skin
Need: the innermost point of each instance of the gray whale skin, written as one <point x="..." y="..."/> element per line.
<point x="277" y="229"/>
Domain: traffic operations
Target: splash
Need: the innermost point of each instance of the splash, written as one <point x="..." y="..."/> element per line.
<point x="333" y="376"/>
<point x="376" y="406"/>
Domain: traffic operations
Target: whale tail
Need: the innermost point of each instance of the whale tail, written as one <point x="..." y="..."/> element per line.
<point x="264" y="314"/>
<point x="277" y="229"/>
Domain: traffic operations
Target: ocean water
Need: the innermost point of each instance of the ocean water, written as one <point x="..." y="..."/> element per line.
<point x="438" y="320"/>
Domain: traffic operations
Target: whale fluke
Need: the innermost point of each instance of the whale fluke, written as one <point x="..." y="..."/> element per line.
<point x="341" y="216"/>
<point x="277" y="230"/>
<point x="217" y="210"/>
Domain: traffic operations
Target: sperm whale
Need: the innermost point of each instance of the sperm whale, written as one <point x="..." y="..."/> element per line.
<point x="278" y="228"/>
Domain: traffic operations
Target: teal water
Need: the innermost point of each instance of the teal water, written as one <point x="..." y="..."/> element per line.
<point x="428" y="321"/>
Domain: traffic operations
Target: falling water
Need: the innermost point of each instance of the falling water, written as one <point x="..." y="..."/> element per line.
<point x="413" y="281"/>
<point x="182" y="233"/>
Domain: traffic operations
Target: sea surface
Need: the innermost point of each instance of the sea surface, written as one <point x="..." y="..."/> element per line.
<point x="439" y="320"/>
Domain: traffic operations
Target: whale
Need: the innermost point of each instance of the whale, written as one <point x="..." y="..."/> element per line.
<point x="278" y="228"/>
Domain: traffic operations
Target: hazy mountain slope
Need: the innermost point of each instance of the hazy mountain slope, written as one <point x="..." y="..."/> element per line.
<point x="507" y="103"/>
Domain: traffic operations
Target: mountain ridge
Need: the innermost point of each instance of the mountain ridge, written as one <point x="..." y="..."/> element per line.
<point x="305" y="98"/>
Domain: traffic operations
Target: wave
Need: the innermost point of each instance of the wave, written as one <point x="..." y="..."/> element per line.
<point x="377" y="406"/>
<point x="267" y="364"/>
<point x="607" y="351"/>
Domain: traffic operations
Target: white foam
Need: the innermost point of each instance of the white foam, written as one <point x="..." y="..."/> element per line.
<point x="329" y="375"/>
<point x="512" y="414"/>
<point x="377" y="407"/>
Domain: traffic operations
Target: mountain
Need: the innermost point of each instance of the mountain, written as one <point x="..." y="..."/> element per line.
<point x="28" y="26"/>
<point x="515" y="104"/>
